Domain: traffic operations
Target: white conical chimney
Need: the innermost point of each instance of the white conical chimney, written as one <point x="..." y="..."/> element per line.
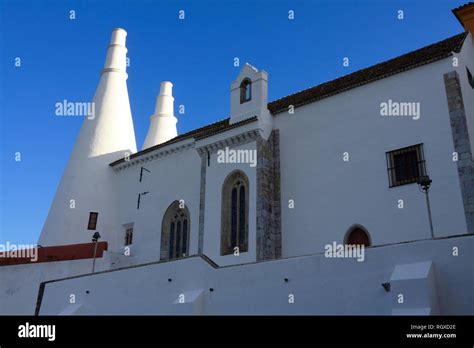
<point x="87" y="183"/>
<point x="162" y="122"/>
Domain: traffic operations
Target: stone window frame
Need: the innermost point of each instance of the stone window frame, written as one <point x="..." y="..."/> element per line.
<point x="235" y="180"/>
<point x="174" y="216"/>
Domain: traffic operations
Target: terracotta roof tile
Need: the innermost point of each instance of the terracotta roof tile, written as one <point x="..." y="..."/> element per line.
<point x="461" y="8"/>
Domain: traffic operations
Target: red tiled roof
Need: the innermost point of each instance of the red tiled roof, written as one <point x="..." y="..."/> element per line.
<point x="460" y="8"/>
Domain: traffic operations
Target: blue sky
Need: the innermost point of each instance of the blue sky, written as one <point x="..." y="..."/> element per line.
<point x="62" y="58"/>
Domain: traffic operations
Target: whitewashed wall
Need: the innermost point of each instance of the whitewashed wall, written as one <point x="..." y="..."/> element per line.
<point x="331" y="195"/>
<point x="19" y="284"/>
<point x="259" y="288"/>
<point x="215" y="177"/>
<point x="172" y="178"/>
<point x="176" y="177"/>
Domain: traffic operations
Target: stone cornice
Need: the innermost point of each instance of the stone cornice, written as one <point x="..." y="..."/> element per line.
<point x="236" y="140"/>
<point x="153" y="155"/>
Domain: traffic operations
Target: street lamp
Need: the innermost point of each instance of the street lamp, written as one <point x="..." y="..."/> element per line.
<point x="424" y="182"/>
<point x="95" y="239"/>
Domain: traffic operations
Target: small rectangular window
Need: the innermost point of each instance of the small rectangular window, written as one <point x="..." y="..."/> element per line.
<point x="470" y="78"/>
<point x="92" y="225"/>
<point x="406" y="165"/>
<point x="128" y="236"/>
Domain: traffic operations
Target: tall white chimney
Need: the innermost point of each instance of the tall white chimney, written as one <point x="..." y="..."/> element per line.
<point x="162" y="122"/>
<point x="106" y="135"/>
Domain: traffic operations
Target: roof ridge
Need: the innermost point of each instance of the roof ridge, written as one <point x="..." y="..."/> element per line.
<point x="457" y="39"/>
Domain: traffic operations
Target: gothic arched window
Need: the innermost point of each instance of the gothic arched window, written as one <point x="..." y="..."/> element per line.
<point x="358" y="235"/>
<point x="235" y="212"/>
<point x="175" y="232"/>
<point x="245" y="90"/>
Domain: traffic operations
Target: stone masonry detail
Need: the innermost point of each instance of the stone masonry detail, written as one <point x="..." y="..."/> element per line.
<point x="268" y="198"/>
<point x="462" y="145"/>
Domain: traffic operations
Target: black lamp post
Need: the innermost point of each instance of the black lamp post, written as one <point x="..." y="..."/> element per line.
<point x="95" y="239"/>
<point x="424" y="182"/>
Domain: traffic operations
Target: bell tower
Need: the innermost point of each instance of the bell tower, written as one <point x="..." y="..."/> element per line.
<point x="249" y="98"/>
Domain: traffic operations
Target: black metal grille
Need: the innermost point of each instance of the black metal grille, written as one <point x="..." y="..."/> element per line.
<point x="406" y="165"/>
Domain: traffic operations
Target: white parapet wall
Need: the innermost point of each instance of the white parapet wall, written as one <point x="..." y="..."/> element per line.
<point x="312" y="284"/>
<point x="19" y="284"/>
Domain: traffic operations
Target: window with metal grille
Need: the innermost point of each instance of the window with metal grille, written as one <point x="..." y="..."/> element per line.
<point x="406" y="165"/>
<point x="92" y="225"/>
